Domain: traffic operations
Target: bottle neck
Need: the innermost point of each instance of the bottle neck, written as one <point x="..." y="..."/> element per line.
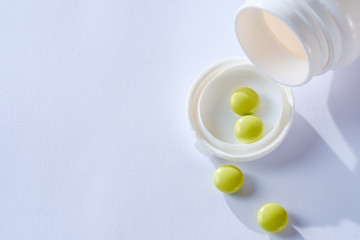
<point x="290" y="41"/>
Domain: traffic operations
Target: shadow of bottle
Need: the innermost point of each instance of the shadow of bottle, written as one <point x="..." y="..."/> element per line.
<point x="305" y="177"/>
<point x="343" y="102"/>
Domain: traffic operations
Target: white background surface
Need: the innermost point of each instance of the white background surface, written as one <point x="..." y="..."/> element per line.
<point x="95" y="144"/>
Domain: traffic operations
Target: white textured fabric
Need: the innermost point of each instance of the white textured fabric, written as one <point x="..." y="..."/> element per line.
<point x="94" y="140"/>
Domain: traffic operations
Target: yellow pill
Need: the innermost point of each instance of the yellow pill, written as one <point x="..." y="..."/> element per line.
<point x="228" y="179"/>
<point x="249" y="129"/>
<point x="272" y="218"/>
<point x="244" y="101"/>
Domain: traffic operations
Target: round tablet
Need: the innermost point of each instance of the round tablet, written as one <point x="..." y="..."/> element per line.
<point x="249" y="129"/>
<point x="228" y="179"/>
<point x="244" y="101"/>
<point x="272" y="218"/>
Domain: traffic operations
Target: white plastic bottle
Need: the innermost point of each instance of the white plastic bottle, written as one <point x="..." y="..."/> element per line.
<point x="293" y="40"/>
<point x="287" y="42"/>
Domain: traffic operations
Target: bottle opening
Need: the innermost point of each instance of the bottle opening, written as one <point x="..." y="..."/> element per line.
<point x="272" y="46"/>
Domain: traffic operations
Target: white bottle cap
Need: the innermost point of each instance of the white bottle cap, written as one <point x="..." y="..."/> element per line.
<point x="212" y="119"/>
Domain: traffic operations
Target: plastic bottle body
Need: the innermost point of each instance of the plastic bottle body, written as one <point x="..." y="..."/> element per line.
<point x="347" y="17"/>
<point x="293" y="40"/>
